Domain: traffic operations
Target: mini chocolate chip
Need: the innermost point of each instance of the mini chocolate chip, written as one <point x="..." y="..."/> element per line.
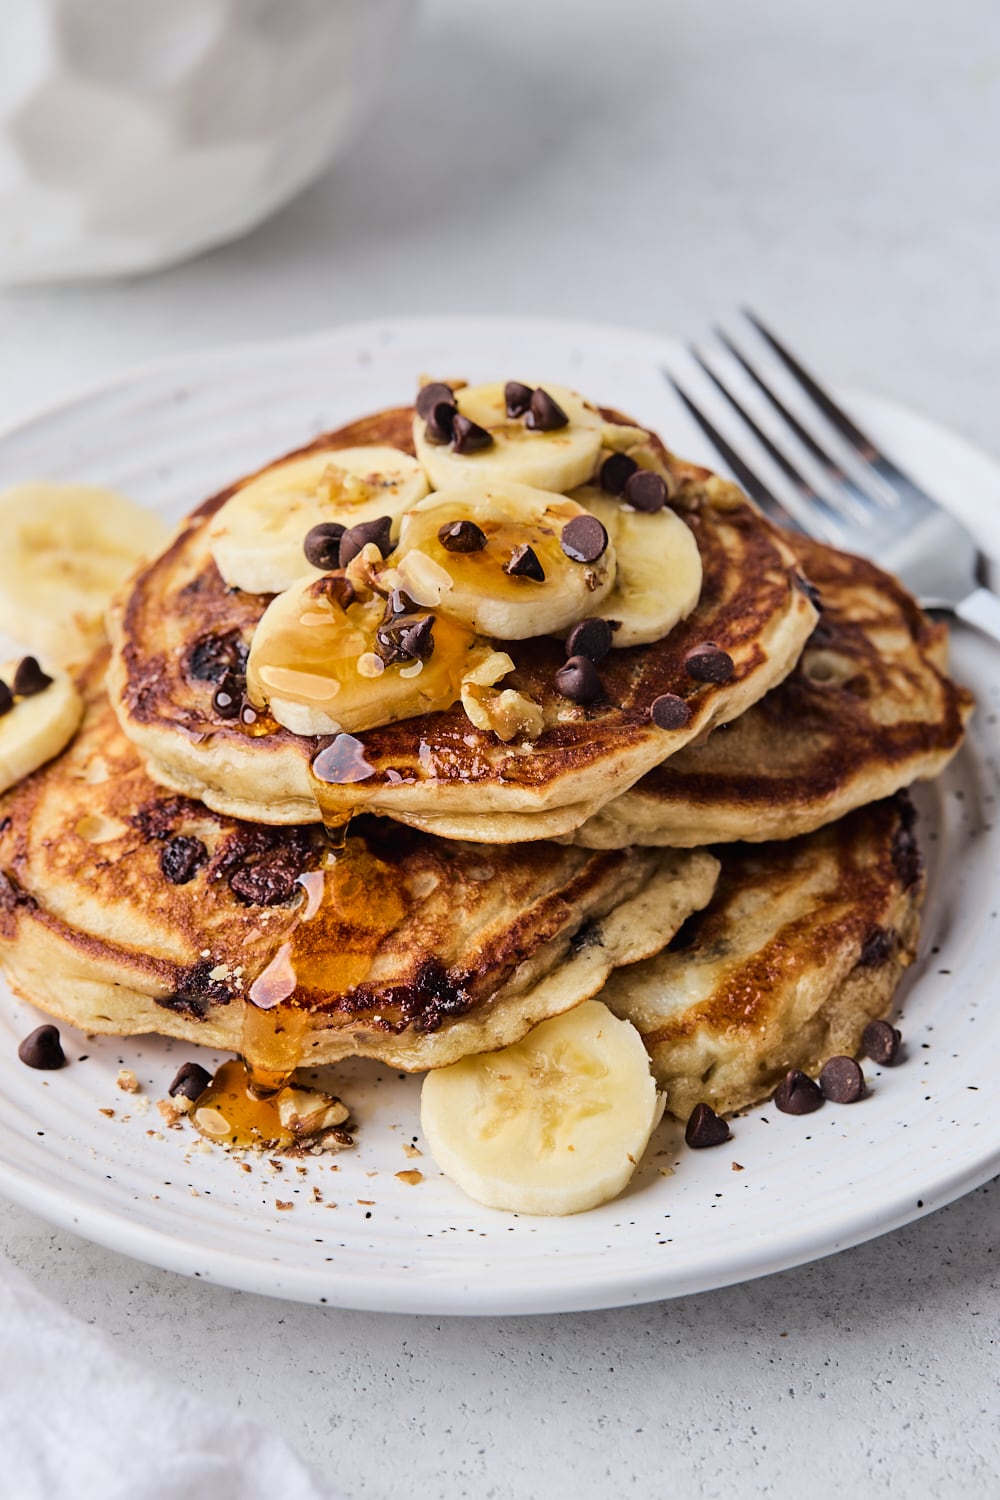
<point x="616" y="472"/>
<point x="709" y="663"/>
<point x="42" y="1049"/>
<point x="29" y="678"/>
<point x="668" y="711"/>
<point x="356" y="537"/>
<point x="399" y="603"/>
<point x="578" y="680"/>
<point x="228" y="696"/>
<point x="462" y="536"/>
<point x="591" y="638"/>
<point x="181" y="858"/>
<point x="842" y="1080"/>
<point x="322" y="545"/>
<point x="405" y="639"/>
<point x="248" y="714"/>
<point x="468" y="436"/>
<point x="523" y="563"/>
<point x="544" y="413"/>
<point x="646" y="491"/>
<point x="878" y="947"/>
<point x="211" y="657"/>
<point x="191" y="1080"/>
<point x="418" y="639"/>
<point x="268" y="883"/>
<point x="584" y="539"/>
<point x="517" y="398"/>
<point x="880" y="1042"/>
<point x="431" y="395"/>
<point x="796" y="1094"/>
<point x="705" y="1128"/>
<point x="440" y="422"/>
<point x="6" y="699"/>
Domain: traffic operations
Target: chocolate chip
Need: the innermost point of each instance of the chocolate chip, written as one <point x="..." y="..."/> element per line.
<point x="405" y="638"/>
<point x="191" y="1080"/>
<point x="523" y="563"/>
<point x="228" y="697"/>
<point x="417" y="639"/>
<point x="517" y="398"/>
<point x="6" y="699"/>
<point x="211" y="657"/>
<point x="578" y="680"/>
<point x="842" y="1080"/>
<point x="796" y="1094"/>
<point x="669" y="712"/>
<point x="878" y="947"/>
<point x="880" y="1042"/>
<point x="181" y="858"/>
<point x="807" y="587"/>
<point x="399" y="603"/>
<point x="591" y="638"/>
<point x="248" y="714"/>
<point x="431" y="395"/>
<point x="709" y="663"/>
<point x="356" y="537"/>
<point x="462" y="536"/>
<point x="906" y="856"/>
<point x="705" y="1128"/>
<point x="268" y="883"/>
<point x="616" y="472"/>
<point x="322" y="545"/>
<point x="468" y="437"/>
<point x="584" y="539"/>
<point x="544" y="413"/>
<point x="42" y="1049"/>
<point x="646" y="491"/>
<point x="29" y="678"/>
<point x="440" y="422"/>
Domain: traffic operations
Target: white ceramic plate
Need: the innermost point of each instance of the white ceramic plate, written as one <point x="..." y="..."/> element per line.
<point x="927" y="1133"/>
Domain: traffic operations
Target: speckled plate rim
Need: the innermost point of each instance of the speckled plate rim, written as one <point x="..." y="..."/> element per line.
<point x="962" y="476"/>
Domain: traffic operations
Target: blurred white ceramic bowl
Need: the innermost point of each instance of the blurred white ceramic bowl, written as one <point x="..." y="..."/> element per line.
<point x="134" y="133"/>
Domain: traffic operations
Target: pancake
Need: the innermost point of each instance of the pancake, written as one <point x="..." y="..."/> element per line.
<point x="868" y="709"/>
<point x="438" y="949"/>
<point x="180" y="630"/>
<point x="802" y="945"/>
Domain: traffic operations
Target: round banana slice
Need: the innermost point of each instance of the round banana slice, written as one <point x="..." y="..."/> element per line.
<point x="503" y="561"/>
<point x="325" y="662"/>
<point x="552" y="1125"/>
<point x="550" y="457"/>
<point x="66" y="549"/>
<point x="659" y="573"/>
<point x="257" y="537"/>
<point x="41" y="722"/>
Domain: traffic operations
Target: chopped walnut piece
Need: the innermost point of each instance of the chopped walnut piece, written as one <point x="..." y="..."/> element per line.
<point x="308" y="1112"/>
<point x="127" y="1081"/>
<point x="507" y="713"/>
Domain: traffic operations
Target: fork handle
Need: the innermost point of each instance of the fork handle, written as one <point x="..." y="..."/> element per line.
<point x="981" y="608"/>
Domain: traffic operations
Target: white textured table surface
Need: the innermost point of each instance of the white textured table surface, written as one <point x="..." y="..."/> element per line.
<point x="655" y="165"/>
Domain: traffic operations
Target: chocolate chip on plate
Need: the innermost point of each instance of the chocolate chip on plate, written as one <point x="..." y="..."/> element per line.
<point x="705" y="1128"/>
<point x="191" y="1080"/>
<point x="42" y="1049"/>
<point x="462" y="536"/>
<point x="709" y="663"/>
<point x="668" y="711"/>
<point x="544" y="413"/>
<point x="432" y="395"/>
<point x="356" y="537"/>
<point x="440" y="422"/>
<point x="517" y="398"/>
<point x="880" y="1042"/>
<point x="181" y="858"/>
<point x="29" y="678"/>
<point x="468" y="437"/>
<point x="646" y="491"/>
<point x="616" y="472"/>
<point x="590" y="638"/>
<point x="228" y="696"/>
<point x="842" y="1080"/>
<point x="584" y="539"/>
<point x="322" y="545"/>
<point x="6" y="698"/>
<point x="523" y="563"/>
<point x="796" y="1094"/>
<point x="578" y="680"/>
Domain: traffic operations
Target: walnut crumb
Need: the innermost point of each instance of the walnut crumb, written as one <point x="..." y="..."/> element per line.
<point x="109" y="1112"/>
<point x="411" y="1151"/>
<point x="737" y="1167"/>
<point x="317" y="1196"/>
<point x="411" y="1178"/>
<point x="127" y="1081"/>
<point x="173" y="1110"/>
<point x="283" y="1205"/>
<point x="367" y="1202"/>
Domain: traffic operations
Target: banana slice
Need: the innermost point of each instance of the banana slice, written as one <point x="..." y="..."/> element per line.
<point x="552" y="1125"/>
<point x="66" y="549"/>
<point x="557" y="458"/>
<point x="257" y="537"/>
<point x="39" y="724"/>
<point x="324" y="662"/>
<point x="659" y="573"/>
<point x="476" y="536"/>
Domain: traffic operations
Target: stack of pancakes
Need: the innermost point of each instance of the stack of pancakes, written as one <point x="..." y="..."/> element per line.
<point x="743" y="884"/>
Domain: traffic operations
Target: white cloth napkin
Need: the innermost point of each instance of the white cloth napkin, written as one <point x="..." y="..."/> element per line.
<point x="80" y="1421"/>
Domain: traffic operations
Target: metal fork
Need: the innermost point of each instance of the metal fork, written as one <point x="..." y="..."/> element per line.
<point x="864" y="502"/>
